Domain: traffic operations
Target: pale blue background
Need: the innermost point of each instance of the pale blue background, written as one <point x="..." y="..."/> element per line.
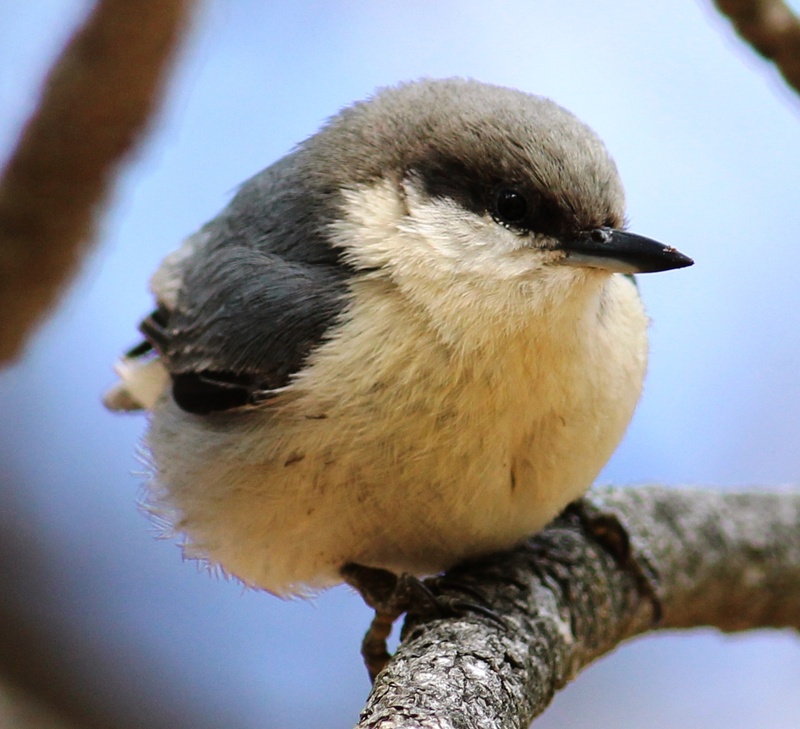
<point x="708" y="144"/>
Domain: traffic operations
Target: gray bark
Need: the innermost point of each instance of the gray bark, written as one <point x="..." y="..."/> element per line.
<point x="621" y="563"/>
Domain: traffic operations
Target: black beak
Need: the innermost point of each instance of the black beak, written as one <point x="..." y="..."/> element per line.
<point x="620" y="251"/>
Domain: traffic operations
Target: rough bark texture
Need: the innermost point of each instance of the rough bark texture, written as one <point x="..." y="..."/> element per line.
<point x="621" y="563"/>
<point x="772" y="29"/>
<point x="95" y="103"/>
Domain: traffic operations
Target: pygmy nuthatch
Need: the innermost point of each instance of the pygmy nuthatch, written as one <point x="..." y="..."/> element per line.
<point x="412" y="340"/>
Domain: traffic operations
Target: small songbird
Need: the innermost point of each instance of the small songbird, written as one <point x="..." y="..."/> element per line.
<point x="413" y="340"/>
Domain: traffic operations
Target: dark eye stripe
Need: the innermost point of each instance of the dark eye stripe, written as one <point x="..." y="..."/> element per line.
<point x="481" y="190"/>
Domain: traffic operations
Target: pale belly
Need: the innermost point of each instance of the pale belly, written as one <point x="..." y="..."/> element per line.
<point x="411" y="472"/>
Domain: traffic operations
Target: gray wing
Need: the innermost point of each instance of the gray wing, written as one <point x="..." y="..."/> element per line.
<point x="252" y="299"/>
<point x="244" y="323"/>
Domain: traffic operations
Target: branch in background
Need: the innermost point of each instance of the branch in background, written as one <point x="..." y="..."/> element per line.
<point x="20" y="711"/>
<point x="772" y="29"/>
<point x="624" y="563"/>
<point x="96" y="102"/>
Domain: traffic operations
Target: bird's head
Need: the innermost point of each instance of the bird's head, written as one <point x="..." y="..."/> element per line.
<point x="455" y="186"/>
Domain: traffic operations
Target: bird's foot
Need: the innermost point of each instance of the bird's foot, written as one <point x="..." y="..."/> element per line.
<point x="390" y="595"/>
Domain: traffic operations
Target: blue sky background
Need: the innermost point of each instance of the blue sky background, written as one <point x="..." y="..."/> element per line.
<point x="708" y="145"/>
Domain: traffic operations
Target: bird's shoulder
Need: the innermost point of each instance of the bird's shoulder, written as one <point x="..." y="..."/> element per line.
<point x="245" y="300"/>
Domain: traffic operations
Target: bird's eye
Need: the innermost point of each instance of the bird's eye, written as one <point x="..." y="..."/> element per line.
<point x="509" y="207"/>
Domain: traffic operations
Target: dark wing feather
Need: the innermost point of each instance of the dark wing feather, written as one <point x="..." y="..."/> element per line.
<point x="245" y="300"/>
<point x="245" y="321"/>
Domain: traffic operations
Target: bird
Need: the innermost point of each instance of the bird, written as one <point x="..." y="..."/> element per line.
<point x="411" y="341"/>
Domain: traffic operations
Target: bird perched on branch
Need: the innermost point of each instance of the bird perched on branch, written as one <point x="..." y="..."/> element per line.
<point x="411" y="341"/>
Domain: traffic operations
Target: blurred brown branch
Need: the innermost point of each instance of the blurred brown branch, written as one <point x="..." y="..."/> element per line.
<point x="20" y="711"/>
<point x="772" y="29"/>
<point x="95" y="103"/>
<point x="625" y="562"/>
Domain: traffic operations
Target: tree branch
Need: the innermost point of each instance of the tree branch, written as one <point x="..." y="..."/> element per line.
<point x="604" y="572"/>
<point x="772" y="29"/>
<point x="96" y="101"/>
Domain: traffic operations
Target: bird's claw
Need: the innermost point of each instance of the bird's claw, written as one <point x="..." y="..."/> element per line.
<point x="391" y="595"/>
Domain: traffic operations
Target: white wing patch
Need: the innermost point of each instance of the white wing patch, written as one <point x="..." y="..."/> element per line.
<point x="142" y="383"/>
<point x="168" y="279"/>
